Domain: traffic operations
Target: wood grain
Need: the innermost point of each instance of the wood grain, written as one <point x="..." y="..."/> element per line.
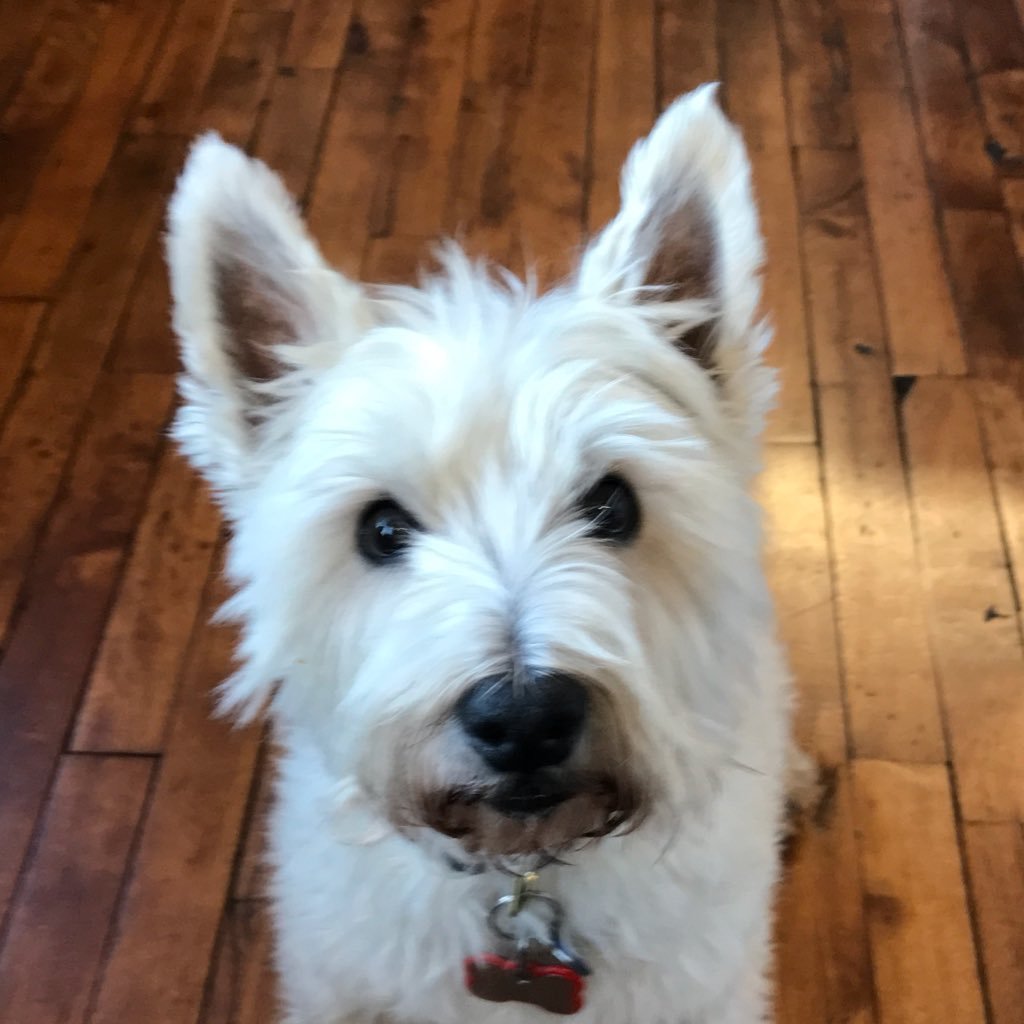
<point x="755" y="99"/>
<point x="158" y="965"/>
<point x="427" y="119"/>
<point x="816" y="73"/>
<point x="137" y="670"/>
<point x="49" y="225"/>
<point x="890" y="687"/>
<point x="61" y="917"/>
<point x="964" y="571"/>
<point x="359" y="132"/>
<point x="40" y="432"/>
<point x="989" y="291"/>
<point x="687" y="47"/>
<point x="241" y="74"/>
<point x="18" y="324"/>
<point x="799" y="569"/>
<point x="995" y="855"/>
<point x="481" y="203"/>
<point x="242" y="986"/>
<point x="822" y="969"/>
<point x="548" y="160"/>
<point x="924" y="335"/>
<point x="917" y="915"/>
<point x="176" y="83"/>
<point x="43" y="99"/>
<point x="953" y="134"/>
<point x="66" y="596"/>
<point x="624" y="100"/>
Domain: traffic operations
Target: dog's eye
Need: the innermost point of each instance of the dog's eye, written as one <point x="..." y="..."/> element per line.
<point x="612" y="508"/>
<point x="385" y="530"/>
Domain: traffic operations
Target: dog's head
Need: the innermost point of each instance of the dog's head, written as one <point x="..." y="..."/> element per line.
<point x="496" y="547"/>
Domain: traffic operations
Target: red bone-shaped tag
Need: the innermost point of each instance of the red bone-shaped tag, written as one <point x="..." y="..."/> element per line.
<point x="551" y="987"/>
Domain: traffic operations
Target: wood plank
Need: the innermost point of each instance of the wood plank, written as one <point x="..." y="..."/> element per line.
<point x="687" y="47"/>
<point x="964" y="570"/>
<point x="158" y="965"/>
<point x="481" y="199"/>
<point x="359" y="132"/>
<point x="624" y="100"/>
<point x="822" y="968"/>
<point x="145" y="342"/>
<point x="18" y="324"/>
<point x="951" y="126"/>
<point x="23" y="29"/>
<point x="1002" y="421"/>
<point x="48" y="228"/>
<point x="242" y="986"/>
<point x="1013" y="197"/>
<point x="993" y="34"/>
<point x="397" y="259"/>
<point x="241" y="74"/>
<point x="56" y="71"/>
<point x="288" y="140"/>
<point x="251" y="871"/>
<point x="989" y="290"/>
<point x="548" y="151"/>
<point x="755" y="99"/>
<point x="66" y="595"/>
<point x="319" y="29"/>
<point x="890" y="686"/>
<point x="1001" y="93"/>
<point x="799" y="569"/>
<point x="289" y="137"/>
<point x="923" y="332"/>
<point x="427" y="121"/>
<point x="816" y="73"/>
<point x="175" y="87"/>
<point x="136" y="673"/>
<point x="62" y="915"/>
<point x="40" y="431"/>
<point x="995" y="855"/>
<point x="914" y="898"/>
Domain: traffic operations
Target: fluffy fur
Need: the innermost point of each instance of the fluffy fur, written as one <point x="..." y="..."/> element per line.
<point x="487" y="410"/>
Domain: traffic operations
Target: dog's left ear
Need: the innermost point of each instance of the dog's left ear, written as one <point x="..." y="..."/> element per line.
<point x="687" y="230"/>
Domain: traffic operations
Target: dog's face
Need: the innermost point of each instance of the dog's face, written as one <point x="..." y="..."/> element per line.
<point x="496" y="548"/>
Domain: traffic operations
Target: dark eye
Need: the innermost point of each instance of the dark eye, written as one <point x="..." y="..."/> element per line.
<point x="385" y="530"/>
<point x="612" y="508"/>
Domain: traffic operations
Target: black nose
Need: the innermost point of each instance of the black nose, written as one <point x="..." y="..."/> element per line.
<point x="524" y="725"/>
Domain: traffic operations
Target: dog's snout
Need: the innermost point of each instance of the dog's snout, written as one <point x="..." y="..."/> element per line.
<point x="524" y="725"/>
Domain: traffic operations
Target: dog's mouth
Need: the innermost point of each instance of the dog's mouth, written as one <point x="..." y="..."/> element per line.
<point x="528" y="814"/>
<point x="527" y="796"/>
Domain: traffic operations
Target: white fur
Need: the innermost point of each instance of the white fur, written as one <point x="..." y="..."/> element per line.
<point x="488" y="410"/>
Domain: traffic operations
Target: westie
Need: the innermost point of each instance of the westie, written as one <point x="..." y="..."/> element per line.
<point x="498" y="573"/>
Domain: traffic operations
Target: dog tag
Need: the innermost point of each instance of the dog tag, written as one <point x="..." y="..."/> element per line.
<point x="549" y="986"/>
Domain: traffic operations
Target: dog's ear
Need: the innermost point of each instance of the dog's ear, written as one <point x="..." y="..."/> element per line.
<point x="254" y="303"/>
<point x="687" y="230"/>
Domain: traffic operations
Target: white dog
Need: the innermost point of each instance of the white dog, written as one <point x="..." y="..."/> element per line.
<point x="498" y="574"/>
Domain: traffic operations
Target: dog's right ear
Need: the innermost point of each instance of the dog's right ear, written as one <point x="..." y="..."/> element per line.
<point x="254" y="305"/>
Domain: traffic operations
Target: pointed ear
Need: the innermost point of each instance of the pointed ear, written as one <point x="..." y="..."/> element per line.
<point x="687" y="229"/>
<point x="254" y="302"/>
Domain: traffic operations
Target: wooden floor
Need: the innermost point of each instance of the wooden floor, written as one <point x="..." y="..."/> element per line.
<point x="888" y="145"/>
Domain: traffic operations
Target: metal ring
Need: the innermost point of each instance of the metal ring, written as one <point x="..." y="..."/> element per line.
<point x="540" y="897"/>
